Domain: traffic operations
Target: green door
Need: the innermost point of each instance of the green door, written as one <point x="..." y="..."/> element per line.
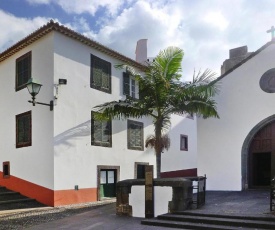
<point x="107" y="183"/>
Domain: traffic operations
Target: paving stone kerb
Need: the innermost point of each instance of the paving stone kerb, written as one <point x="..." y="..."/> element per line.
<point x="181" y="194"/>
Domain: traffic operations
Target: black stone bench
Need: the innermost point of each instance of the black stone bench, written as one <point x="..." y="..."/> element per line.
<point x="182" y="193"/>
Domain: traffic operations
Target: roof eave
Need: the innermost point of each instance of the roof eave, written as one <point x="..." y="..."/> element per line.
<point x="53" y="26"/>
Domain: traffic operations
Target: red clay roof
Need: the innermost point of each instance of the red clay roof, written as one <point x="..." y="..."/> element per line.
<point x="54" y="26"/>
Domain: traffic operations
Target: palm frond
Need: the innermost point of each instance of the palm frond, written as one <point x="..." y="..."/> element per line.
<point x="205" y="82"/>
<point x="167" y="63"/>
<point x="120" y="109"/>
<point x="150" y="142"/>
<point x="129" y="69"/>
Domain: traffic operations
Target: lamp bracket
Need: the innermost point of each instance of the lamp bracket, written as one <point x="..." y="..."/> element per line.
<point x="41" y="103"/>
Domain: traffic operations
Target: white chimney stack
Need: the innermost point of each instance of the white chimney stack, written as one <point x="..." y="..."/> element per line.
<point x="141" y="51"/>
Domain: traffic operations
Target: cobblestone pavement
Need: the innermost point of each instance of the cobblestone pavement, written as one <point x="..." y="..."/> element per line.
<point x="101" y="215"/>
<point x="22" y="219"/>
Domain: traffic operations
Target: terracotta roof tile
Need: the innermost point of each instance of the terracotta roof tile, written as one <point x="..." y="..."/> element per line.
<point x="54" y="26"/>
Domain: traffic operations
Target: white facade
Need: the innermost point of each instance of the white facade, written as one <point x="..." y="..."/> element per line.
<point x="39" y="159"/>
<point x="242" y="105"/>
<point x="61" y="166"/>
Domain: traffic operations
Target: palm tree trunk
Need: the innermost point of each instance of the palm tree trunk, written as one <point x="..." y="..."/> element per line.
<point x="158" y="148"/>
<point x="158" y="161"/>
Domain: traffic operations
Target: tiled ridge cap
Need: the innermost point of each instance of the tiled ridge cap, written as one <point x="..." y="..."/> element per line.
<point x="54" y="26"/>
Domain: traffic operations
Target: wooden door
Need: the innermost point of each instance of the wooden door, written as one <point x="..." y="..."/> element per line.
<point x="262" y="157"/>
<point x="107" y="183"/>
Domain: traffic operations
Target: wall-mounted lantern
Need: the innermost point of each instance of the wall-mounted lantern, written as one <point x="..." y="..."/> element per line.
<point x="33" y="87"/>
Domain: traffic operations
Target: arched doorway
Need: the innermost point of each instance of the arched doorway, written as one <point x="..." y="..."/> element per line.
<point x="258" y="155"/>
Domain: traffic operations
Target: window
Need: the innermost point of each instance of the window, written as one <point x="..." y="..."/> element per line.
<point x="100" y="74"/>
<point x="140" y="170"/>
<point x="135" y="135"/>
<point x="24" y="130"/>
<point x="6" y="169"/>
<point x="183" y="142"/>
<point x="101" y="132"/>
<point x="23" y="70"/>
<point x="129" y="85"/>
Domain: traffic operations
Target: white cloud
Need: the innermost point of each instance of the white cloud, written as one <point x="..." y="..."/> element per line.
<point x="216" y="19"/>
<point x="205" y="30"/>
<point x="85" y="6"/>
<point x="17" y="28"/>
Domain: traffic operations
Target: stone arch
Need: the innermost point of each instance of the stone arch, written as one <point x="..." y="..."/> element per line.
<point x="246" y="145"/>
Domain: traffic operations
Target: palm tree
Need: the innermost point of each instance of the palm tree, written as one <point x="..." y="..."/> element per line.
<point x="161" y="93"/>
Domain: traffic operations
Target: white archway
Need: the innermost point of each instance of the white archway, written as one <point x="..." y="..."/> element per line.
<point x="246" y="145"/>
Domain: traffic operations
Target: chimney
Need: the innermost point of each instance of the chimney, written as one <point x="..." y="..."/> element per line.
<point x="236" y="55"/>
<point x="141" y="51"/>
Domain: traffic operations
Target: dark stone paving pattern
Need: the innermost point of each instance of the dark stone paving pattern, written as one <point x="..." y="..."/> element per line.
<point x="101" y="218"/>
<point x="252" y="203"/>
<point x="243" y="203"/>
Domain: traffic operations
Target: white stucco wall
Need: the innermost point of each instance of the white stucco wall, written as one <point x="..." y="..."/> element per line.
<point x="76" y="159"/>
<point x="241" y="105"/>
<point x="176" y="159"/>
<point x="61" y="155"/>
<point x="162" y="196"/>
<point x="33" y="163"/>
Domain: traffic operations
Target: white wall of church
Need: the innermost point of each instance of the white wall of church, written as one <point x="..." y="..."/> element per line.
<point x="175" y="158"/>
<point x="33" y="163"/>
<point x="241" y="105"/>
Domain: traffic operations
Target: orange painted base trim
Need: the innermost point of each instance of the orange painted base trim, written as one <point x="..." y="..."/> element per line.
<point x="26" y="188"/>
<point x="63" y="197"/>
<point x="47" y="196"/>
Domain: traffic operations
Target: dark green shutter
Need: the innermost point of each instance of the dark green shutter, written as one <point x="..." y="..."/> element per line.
<point x="135" y="135"/>
<point x="101" y="132"/>
<point x="23" y="69"/>
<point x="24" y="129"/>
<point x="126" y="84"/>
<point x="133" y="88"/>
<point x="100" y="74"/>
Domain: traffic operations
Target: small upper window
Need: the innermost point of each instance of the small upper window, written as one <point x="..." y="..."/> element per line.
<point x="100" y="74"/>
<point x="129" y="85"/>
<point x="183" y="142"/>
<point x="6" y="169"/>
<point x="23" y="130"/>
<point x="101" y="132"/>
<point x="23" y="70"/>
<point x="135" y="135"/>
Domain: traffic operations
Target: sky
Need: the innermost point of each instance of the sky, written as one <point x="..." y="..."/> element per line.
<point x="204" y="29"/>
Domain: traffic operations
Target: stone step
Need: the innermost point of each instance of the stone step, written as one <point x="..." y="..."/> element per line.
<point x="243" y="217"/>
<point x="3" y="189"/>
<point x="233" y="222"/>
<point x="10" y="200"/>
<point x="210" y="221"/>
<point x="16" y="201"/>
<point x="20" y="204"/>
<point x="4" y="196"/>
<point x="186" y="225"/>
